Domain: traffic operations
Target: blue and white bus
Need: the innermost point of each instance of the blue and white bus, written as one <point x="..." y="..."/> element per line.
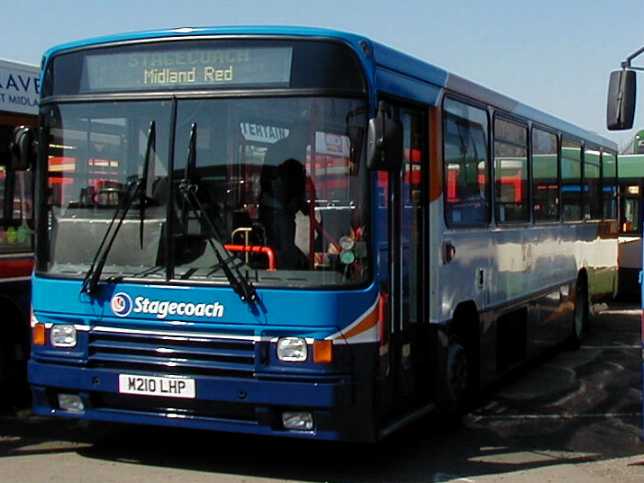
<point x="299" y="232"/>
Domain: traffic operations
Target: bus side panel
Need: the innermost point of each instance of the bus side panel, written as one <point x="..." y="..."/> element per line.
<point x="600" y="258"/>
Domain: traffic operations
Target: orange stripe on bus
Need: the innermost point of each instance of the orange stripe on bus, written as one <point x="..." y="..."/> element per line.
<point x="435" y="154"/>
<point x="370" y="321"/>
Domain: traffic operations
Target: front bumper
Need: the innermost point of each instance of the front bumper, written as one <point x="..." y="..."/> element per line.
<point x="242" y="405"/>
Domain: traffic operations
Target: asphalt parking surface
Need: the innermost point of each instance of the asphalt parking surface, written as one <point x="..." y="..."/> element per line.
<point x="573" y="416"/>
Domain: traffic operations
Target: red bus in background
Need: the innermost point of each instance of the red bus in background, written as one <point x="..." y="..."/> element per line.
<point x="19" y="90"/>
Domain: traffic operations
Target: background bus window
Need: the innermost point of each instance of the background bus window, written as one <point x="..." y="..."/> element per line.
<point x="592" y="185"/>
<point x="510" y="172"/>
<point x="466" y="164"/>
<point x="571" y="180"/>
<point x="545" y="176"/>
<point x="609" y="186"/>
<point x="631" y="210"/>
<point x="15" y="202"/>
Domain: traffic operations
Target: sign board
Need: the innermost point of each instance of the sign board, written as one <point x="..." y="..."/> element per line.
<point x="332" y="144"/>
<point x="19" y="88"/>
<point x="262" y="133"/>
<point x="174" y="66"/>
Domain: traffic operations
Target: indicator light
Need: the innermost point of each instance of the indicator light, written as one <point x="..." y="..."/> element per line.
<point x="323" y="351"/>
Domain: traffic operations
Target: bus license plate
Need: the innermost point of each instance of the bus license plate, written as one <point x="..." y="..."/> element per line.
<point x="157" y="386"/>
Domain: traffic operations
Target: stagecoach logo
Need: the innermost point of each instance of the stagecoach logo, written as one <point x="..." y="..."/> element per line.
<point x="121" y="304"/>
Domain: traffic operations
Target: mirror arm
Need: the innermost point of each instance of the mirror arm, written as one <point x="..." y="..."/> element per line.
<point x="627" y="63"/>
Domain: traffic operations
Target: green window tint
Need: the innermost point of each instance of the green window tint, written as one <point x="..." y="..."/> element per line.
<point x="592" y="185"/>
<point x="571" y="180"/>
<point x="609" y="186"/>
<point x="545" y="176"/>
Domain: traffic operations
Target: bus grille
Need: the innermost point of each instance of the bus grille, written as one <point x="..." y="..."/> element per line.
<point x="164" y="352"/>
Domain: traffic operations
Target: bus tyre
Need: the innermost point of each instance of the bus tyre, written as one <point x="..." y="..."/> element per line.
<point x="455" y="380"/>
<point x="580" y="316"/>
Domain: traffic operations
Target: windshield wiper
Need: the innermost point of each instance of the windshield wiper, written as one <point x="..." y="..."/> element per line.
<point x="93" y="275"/>
<point x="188" y="189"/>
<point x="143" y="191"/>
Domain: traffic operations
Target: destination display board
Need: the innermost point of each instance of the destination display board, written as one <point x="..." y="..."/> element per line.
<point x="188" y="68"/>
<point x="204" y="64"/>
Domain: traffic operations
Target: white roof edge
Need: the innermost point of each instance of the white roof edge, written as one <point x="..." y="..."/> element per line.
<point x="17" y="64"/>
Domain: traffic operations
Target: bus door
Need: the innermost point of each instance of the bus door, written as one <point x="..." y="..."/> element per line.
<point x="408" y="235"/>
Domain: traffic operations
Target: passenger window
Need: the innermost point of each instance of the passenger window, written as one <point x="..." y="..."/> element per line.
<point x="545" y="176"/>
<point x="631" y="213"/>
<point x="609" y="186"/>
<point x="571" y="180"/>
<point x="592" y="185"/>
<point x="511" y="172"/>
<point x="465" y="138"/>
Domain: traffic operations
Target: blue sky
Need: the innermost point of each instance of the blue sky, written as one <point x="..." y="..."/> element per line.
<point x="553" y="55"/>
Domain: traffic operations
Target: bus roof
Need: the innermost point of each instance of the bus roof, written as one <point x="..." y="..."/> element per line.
<point x="635" y="143"/>
<point x="389" y="70"/>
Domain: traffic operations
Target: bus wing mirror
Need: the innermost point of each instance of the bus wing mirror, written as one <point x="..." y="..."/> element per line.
<point x="620" y="111"/>
<point x="23" y="151"/>
<point x="385" y="143"/>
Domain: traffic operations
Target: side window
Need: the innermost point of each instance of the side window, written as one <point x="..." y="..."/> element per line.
<point x="511" y="172"/>
<point x="609" y="186"/>
<point x="630" y="213"/>
<point x="465" y="135"/>
<point x="571" y="180"/>
<point x="545" y="176"/>
<point x="592" y="185"/>
<point x="16" y="217"/>
<point x="16" y="211"/>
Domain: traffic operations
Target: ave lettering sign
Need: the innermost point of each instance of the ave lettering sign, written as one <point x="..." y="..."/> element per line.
<point x="19" y="88"/>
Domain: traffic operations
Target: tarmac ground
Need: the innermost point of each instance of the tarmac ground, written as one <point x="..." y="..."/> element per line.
<point x="572" y="416"/>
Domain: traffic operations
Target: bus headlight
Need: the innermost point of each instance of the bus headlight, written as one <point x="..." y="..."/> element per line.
<point x="63" y="335"/>
<point x="291" y="349"/>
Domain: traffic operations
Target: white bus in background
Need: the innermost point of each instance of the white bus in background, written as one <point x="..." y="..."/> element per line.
<point x="631" y="185"/>
<point x="19" y="91"/>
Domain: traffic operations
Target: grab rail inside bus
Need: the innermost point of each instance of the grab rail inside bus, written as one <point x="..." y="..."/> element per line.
<point x="268" y="251"/>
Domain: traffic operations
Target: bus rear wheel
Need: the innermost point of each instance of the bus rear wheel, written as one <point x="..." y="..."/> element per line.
<point x="455" y="380"/>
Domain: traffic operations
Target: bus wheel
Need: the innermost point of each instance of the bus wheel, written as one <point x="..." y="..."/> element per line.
<point x="455" y="380"/>
<point x="580" y="318"/>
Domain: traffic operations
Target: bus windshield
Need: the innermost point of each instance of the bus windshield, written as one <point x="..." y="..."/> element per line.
<point x="279" y="182"/>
